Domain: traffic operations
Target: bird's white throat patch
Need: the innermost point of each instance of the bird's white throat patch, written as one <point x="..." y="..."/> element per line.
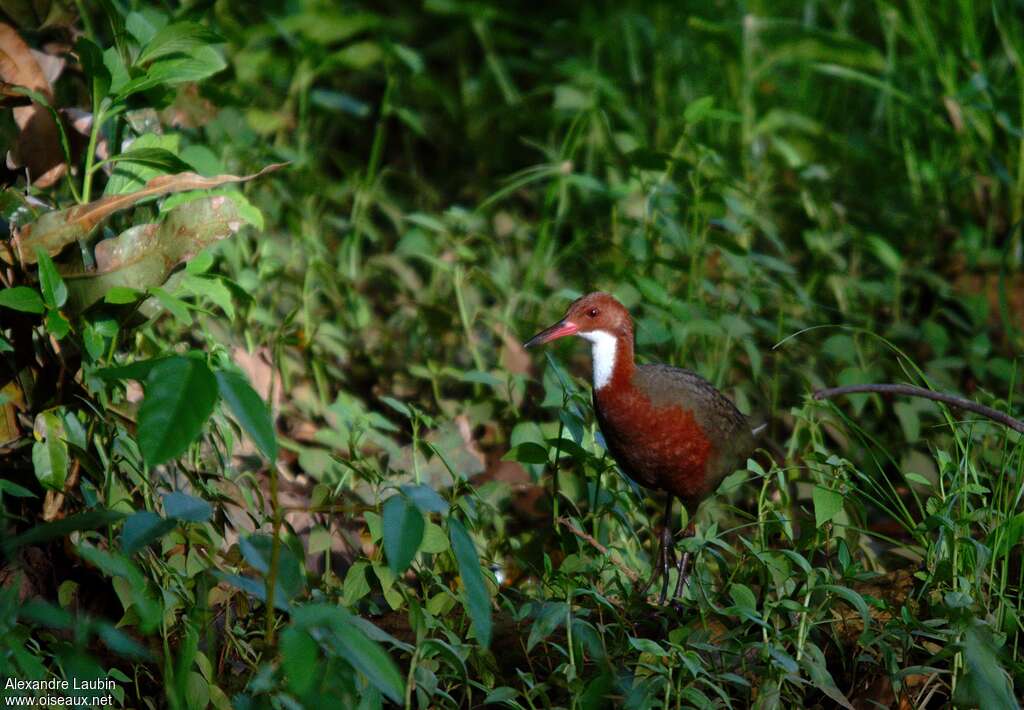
<point x="602" y="352"/>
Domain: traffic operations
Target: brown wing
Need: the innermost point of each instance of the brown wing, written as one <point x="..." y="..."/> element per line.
<point x="727" y="427"/>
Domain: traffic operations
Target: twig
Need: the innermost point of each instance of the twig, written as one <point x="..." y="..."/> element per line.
<point x="912" y="391"/>
<point x="633" y="576"/>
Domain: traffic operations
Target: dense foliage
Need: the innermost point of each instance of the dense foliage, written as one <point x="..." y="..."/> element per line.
<point x="268" y="435"/>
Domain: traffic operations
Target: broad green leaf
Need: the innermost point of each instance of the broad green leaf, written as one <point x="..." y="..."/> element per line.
<point x="50" y="451"/>
<point x="986" y="684"/>
<point x="13" y="489"/>
<point x="87" y="520"/>
<point x="57" y="325"/>
<point x="171" y="70"/>
<point x="91" y="58"/>
<point x="403" y="531"/>
<point x="698" y="109"/>
<point x="182" y="506"/>
<point x="180" y="393"/>
<point x="120" y="295"/>
<point x="475" y="597"/>
<point x="160" y="159"/>
<point x="174" y="305"/>
<point x="55" y="293"/>
<point x="138" y="370"/>
<point x="426" y="499"/>
<point x="142" y="528"/>
<point x="177" y="38"/>
<point x="254" y="587"/>
<point x="257" y="551"/>
<point x="648" y="646"/>
<point x="299" y="655"/>
<point x="527" y="452"/>
<point x="816" y="666"/>
<point x="827" y="504"/>
<point x="212" y="288"/>
<point x="130" y="175"/>
<point x="854" y="599"/>
<point x="350" y="642"/>
<point x="22" y="298"/>
<point x="551" y="616"/>
<point x="742" y="597"/>
<point x="114" y="564"/>
<point x="250" y="410"/>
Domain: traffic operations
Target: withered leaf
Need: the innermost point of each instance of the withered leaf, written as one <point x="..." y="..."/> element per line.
<point x="55" y="230"/>
<point x="144" y="256"/>
<point x="38" y="148"/>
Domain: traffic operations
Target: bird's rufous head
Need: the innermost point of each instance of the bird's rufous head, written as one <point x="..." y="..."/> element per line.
<point x="596" y="312"/>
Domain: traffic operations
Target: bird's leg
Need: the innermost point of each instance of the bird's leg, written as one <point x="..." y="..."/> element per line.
<point x="684" y="564"/>
<point x="661" y="566"/>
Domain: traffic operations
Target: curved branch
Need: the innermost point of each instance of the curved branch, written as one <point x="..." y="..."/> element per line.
<point x="912" y="391"/>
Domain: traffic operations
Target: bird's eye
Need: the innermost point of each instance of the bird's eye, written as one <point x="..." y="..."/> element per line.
<point x="593" y="312"/>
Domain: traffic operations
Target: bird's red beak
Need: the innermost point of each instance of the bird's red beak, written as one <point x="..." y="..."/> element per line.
<point x="559" y="330"/>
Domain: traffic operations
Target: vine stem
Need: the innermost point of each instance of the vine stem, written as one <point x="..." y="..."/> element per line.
<point x="912" y="391"/>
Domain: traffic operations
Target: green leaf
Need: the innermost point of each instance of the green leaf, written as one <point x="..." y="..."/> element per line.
<point x="138" y="370"/>
<point x="88" y="520"/>
<point x="475" y="597"/>
<point x="827" y="504"/>
<point x="114" y="564"/>
<point x="91" y="58"/>
<point x="50" y="451"/>
<point x="403" y="531"/>
<point x="57" y="325"/>
<point x="143" y="528"/>
<point x="854" y="599"/>
<point x="985" y="684"/>
<point x="299" y="655"/>
<point x="176" y="307"/>
<point x="55" y="293"/>
<point x="212" y="288"/>
<point x="22" y="298"/>
<point x="527" y="452"/>
<point x="254" y="587"/>
<point x="159" y="159"/>
<point x="257" y="551"/>
<point x="698" y="109"/>
<point x="174" y="69"/>
<point x="426" y="499"/>
<point x="130" y="175"/>
<point x="180" y="395"/>
<point x="13" y="489"/>
<point x="350" y="642"/>
<point x="182" y="506"/>
<point x="177" y="38"/>
<point x="742" y="597"/>
<point x="120" y="295"/>
<point x="250" y="410"/>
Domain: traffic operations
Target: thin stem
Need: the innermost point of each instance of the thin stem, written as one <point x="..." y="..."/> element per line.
<point x="90" y="154"/>
<point x="912" y="391"/>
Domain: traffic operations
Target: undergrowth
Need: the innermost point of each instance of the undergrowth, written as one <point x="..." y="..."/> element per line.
<point x="343" y="480"/>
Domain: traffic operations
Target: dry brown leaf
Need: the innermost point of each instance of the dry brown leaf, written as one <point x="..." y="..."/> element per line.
<point x="258" y="367"/>
<point x="38" y="146"/>
<point x="55" y="230"/>
<point x="514" y="357"/>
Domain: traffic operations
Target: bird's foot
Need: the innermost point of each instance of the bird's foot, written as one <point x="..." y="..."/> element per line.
<point x="665" y="560"/>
